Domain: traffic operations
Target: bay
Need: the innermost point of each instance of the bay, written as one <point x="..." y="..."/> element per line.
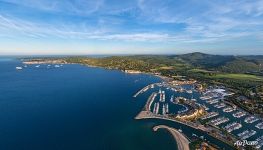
<point x="76" y="107"/>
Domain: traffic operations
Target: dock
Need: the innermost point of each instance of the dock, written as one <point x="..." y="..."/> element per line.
<point x="144" y="90"/>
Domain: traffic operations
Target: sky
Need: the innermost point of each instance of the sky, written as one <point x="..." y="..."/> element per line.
<point x="77" y="27"/>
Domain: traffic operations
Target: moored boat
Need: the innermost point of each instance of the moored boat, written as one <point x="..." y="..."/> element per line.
<point x="19" y="68"/>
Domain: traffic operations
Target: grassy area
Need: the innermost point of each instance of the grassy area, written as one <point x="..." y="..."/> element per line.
<point x="167" y="67"/>
<point x="234" y="76"/>
<point x="238" y="76"/>
<point x="200" y="70"/>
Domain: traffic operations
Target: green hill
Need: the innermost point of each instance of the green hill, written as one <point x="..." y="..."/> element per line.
<point x="206" y="60"/>
<point x="241" y="66"/>
<point x="221" y="63"/>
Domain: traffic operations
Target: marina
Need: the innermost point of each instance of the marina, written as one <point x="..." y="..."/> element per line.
<point x="239" y="114"/>
<point x="232" y="126"/>
<point x="218" y="112"/>
<point x="219" y="121"/>
<point x="205" y="97"/>
<point x="228" y="109"/>
<point x="212" y="101"/>
<point x="246" y="134"/>
<point x="210" y="115"/>
<point x="251" y="119"/>
<point x="220" y="105"/>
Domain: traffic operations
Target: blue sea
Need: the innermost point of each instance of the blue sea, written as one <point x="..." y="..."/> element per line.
<point x="76" y="107"/>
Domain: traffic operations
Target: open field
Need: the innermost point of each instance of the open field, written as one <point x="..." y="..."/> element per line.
<point x="221" y="75"/>
<point x="238" y="76"/>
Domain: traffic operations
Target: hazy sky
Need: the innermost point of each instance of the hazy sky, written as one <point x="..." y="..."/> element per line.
<point x="131" y="26"/>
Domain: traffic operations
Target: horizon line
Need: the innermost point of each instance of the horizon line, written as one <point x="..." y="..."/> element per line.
<point x="125" y="54"/>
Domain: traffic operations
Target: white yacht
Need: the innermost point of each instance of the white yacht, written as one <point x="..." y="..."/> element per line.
<point x="19" y="68"/>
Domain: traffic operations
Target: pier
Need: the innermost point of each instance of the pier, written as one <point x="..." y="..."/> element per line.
<point x="144" y="90"/>
<point x="181" y="140"/>
<point x="246" y="134"/>
<point x="239" y="114"/>
<point x="210" y="115"/>
<point x="232" y="126"/>
<point x="149" y="102"/>
<point x="251" y="119"/>
<point x="219" y="121"/>
<point x="259" y="125"/>
<point x="221" y="105"/>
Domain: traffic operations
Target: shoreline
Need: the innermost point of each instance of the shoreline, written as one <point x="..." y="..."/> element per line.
<point x="163" y="78"/>
<point x="62" y="61"/>
<point x="181" y="140"/>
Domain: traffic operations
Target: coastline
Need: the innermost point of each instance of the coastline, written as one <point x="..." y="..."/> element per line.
<point x="163" y="78"/>
<point x="62" y="61"/>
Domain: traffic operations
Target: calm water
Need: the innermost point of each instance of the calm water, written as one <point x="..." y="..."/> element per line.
<point x="76" y="107"/>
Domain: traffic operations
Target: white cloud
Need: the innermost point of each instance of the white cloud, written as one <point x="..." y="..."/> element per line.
<point x="208" y="19"/>
<point x="41" y="31"/>
<point x="204" y="21"/>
